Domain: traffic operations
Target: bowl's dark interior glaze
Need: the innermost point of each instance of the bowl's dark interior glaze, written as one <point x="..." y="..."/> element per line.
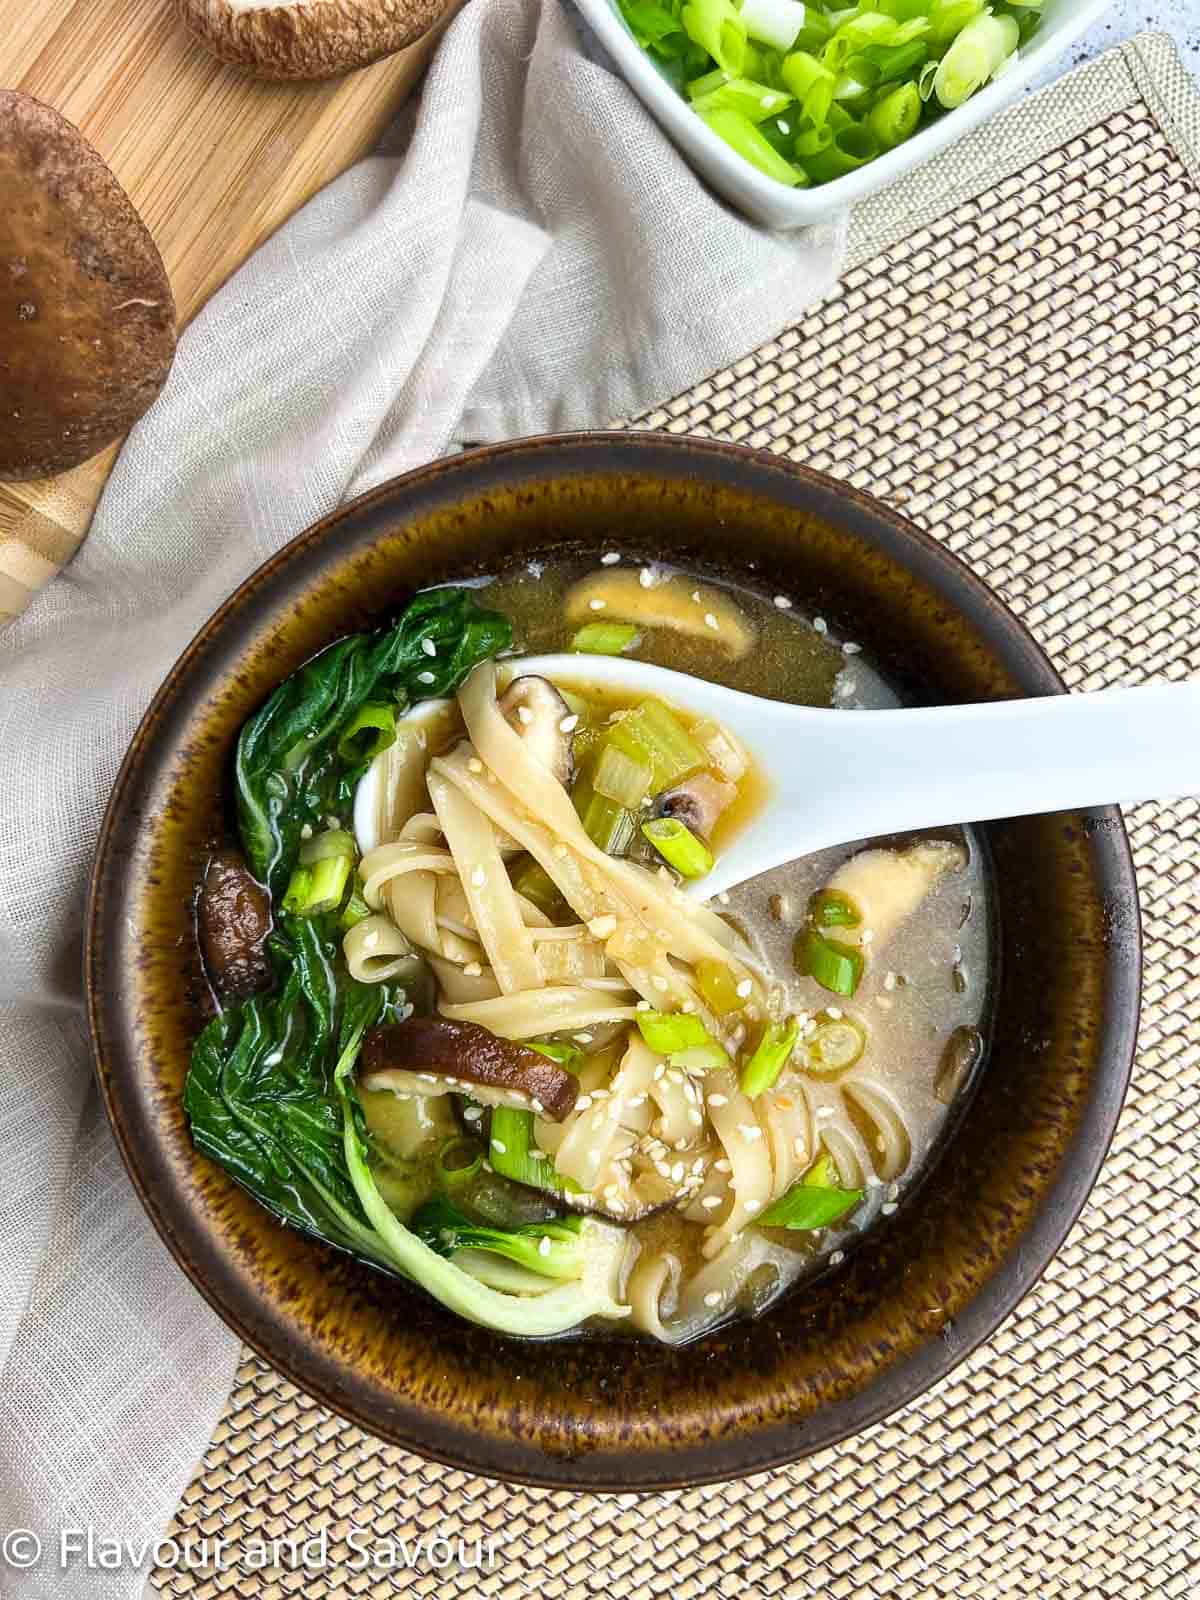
<point x="918" y="1294"/>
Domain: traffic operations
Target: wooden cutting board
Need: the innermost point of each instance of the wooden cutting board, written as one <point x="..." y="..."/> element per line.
<point x="214" y="160"/>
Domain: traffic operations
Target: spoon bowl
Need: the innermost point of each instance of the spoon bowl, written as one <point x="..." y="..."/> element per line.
<point x="834" y="777"/>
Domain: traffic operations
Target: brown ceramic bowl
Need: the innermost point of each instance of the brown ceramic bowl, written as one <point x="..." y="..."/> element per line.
<point x="830" y="1357"/>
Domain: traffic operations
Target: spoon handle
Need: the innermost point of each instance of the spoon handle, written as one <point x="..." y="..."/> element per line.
<point x="1008" y="758"/>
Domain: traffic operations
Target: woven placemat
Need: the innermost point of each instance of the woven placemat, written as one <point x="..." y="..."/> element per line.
<point x="1021" y="374"/>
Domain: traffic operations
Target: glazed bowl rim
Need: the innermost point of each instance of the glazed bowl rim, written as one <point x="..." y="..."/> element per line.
<point x="1063" y="1197"/>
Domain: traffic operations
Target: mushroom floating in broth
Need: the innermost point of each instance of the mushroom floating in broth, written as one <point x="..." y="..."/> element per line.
<point x="505" y="1055"/>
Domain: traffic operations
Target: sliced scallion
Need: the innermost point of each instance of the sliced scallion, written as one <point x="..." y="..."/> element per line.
<point x="679" y="846"/>
<point x="718" y="987"/>
<point x="668" y="1032"/>
<point x="459" y="1161"/>
<point x="836" y="966"/>
<point x="829" y="908"/>
<point x="606" y="638"/>
<point x="837" y="1044"/>
<point x="740" y="134"/>
<point x="329" y="842"/>
<point x="753" y="100"/>
<point x="314" y="890"/>
<point x="708" y="1057"/>
<point x="894" y="118"/>
<point x="770" y="1057"/>
<point x="973" y="58"/>
<point x="653" y="733"/>
<point x="717" y="26"/>
<point x="514" y="1154"/>
<point x="805" y="1207"/>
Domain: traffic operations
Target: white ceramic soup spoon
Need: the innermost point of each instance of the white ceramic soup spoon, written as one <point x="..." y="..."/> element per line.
<point x="837" y="776"/>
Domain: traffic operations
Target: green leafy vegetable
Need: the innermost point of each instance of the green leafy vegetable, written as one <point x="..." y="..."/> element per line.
<point x="806" y="1207"/>
<point x="289" y="771"/>
<point x="445" y="1229"/>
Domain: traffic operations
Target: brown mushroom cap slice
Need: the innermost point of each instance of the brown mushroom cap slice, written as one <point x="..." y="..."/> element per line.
<point x="308" y="38"/>
<point x="87" y="319"/>
<point x="534" y="708"/>
<point x="432" y="1055"/>
<point x="234" y="919"/>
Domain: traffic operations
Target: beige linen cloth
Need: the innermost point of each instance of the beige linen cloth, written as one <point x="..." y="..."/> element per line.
<point x="537" y="257"/>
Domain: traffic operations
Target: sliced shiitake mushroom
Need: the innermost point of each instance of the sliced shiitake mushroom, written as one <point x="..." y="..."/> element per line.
<point x="697" y="802"/>
<point x="533" y="707"/>
<point x="433" y="1055"/>
<point x="234" y="917"/>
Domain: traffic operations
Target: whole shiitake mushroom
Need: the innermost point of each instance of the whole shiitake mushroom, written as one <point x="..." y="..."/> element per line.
<point x="308" y="38"/>
<point x="87" y="319"/>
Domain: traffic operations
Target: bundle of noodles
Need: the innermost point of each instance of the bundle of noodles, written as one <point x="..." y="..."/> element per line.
<point x="645" y="1131"/>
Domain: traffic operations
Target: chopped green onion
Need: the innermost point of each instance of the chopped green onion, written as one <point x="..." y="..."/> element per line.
<point x="668" y="1032"/>
<point x="770" y="1057"/>
<point x="717" y="26"/>
<point x="371" y="729"/>
<point x="355" y="910"/>
<point x="707" y="83"/>
<point x="837" y="1044"/>
<point x="718" y="987"/>
<point x="753" y="100"/>
<point x="740" y="134"/>
<point x="894" y="118"/>
<point x="652" y="732"/>
<point x="329" y="842"/>
<point x="774" y="22"/>
<point x="835" y="966"/>
<point x="830" y="908"/>
<point x="897" y="61"/>
<point x="459" y="1161"/>
<point x="810" y="140"/>
<point x="606" y="638"/>
<point x="811" y="82"/>
<point x="708" y="1057"/>
<point x="679" y="846"/>
<point x="312" y="891"/>
<point x="852" y="148"/>
<point x="607" y="825"/>
<point x="623" y="778"/>
<point x="567" y="1055"/>
<point x="514" y="1154"/>
<point x="973" y="58"/>
<point x="531" y="880"/>
<point x="823" y="1173"/>
<point x="948" y="18"/>
<point x="804" y="1207"/>
<point x="925" y="80"/>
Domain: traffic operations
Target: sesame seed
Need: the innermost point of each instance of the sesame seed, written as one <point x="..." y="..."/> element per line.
<point x="646" y="578"/>
<point x="822" y="1112"/>
<point x="643" y="1005"/>
<point x="569" y="724"/>
<point x="849" y="649"/>
<point x="696" y="596"/>
<point x="429" y="647"/>
<point x="688" y="1007"/>
<point x="677" y="1172"/>
<point x="660" y="984"/>
<point x="498" y="1144"/>
<point x="749" y="1131"/>
<point x="583" y="1038"/>
<point x="583" y="1102"/>
<point x="711" y="1202"/>
<point x="602" y="927"/>
<point x="723" y="898"/>
<point x="426" y="677"/>
<point x="893" y="1192"/>
<point x="867" y="936"/>
<point x="659" y="1070"/>
<point x="711" y="622"/>
<point x="782" y="602"/>
<point x="888" y="1208"/>
<point x="544" y="1245"/>
<point x="695" y="1118"/>
<point x="745" y="988"/>
<point x="837" y="1258"/>
<point x="752" y="1206"/>
<point x="718" y="1099"/>
<point x="697" y="1166"/>
<point x="713" y="1297"/>
<point x="611" y="559"/>
<point x="539" y="1108"/>
<point x="306" y="831"/>
<point x="472" y="970"/>
<point x="889" y="980"/>
<point x="820" y="625"/>
<point x="799" y="1149"/>
<point x="598" y="605"/>
<point x="834" y="1013"/>
<point x="525" y="716"/>
<point x="474" y="764"/>
<point x="479" y="877"/>
<point x="472" y="1113"/>
<point x="723" y="1165"/>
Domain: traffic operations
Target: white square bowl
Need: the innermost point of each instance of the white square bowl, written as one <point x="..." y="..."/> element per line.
<point x="774" y="204"/>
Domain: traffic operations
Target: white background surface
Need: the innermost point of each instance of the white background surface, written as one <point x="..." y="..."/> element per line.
<point x="1179" y="18"/>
